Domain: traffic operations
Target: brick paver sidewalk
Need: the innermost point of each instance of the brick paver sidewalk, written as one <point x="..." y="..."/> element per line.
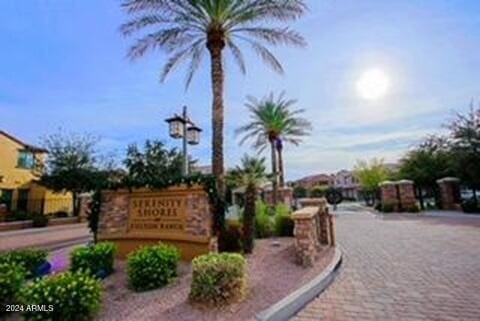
<point x="401" y="268"/>
<point x="42" y="236"/>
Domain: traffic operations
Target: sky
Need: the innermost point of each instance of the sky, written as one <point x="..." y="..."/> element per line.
<point x="63" y="66"/>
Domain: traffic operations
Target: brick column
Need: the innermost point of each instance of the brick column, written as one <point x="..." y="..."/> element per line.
<point x="388" y="195"/>
<point x="449" y="193"/>
<point x="84" y="201"/>
<point x="306" y="238"/>
<point x="406" y="192"/>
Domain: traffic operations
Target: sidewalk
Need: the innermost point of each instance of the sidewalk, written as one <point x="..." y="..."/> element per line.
<point x="50" y="237"/>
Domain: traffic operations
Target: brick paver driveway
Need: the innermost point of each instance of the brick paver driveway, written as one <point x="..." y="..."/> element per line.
<point x="403" y="268"/>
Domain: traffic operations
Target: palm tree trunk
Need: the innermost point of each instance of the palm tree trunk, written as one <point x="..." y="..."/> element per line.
<point x="274" y="172"/>
<point x="249" y="219"/>
<point x="217" y="115"/>
<point x="280" y="167"/>
<point x="215" y="46"/>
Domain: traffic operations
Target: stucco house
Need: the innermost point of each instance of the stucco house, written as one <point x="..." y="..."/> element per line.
<point x="21" y="166"/>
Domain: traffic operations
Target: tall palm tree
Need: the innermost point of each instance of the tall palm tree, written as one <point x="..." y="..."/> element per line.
<point x="273" y="122"/>
<point x="250" y="175"/>
<point x="185" y="29"/>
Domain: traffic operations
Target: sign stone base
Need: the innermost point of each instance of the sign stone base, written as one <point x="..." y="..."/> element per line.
<point x="180" y="216"/>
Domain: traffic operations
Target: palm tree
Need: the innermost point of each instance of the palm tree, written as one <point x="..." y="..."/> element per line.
<point x="185" y="29"/>
<point x="250" y="175"/>
<point x="273" y="122"/>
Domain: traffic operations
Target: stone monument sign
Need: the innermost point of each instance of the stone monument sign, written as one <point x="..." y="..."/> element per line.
<point x="181" y="216"/>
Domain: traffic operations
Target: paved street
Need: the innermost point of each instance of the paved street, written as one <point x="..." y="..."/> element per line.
<point x="403" y="268"/>
<point x="49" y="237"/>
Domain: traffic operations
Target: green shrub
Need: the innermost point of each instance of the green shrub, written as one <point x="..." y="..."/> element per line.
<point x="388" y="208"/>
<point x="152" y="267"/>
<point x="470" y="206"/>
<point x="18" y="216"/>
<point x="96" y="258"/>
<point x="299" y="192"/>
<point x="282" y="209"/>
<point x="29" y="259"/>
<point x="218" y="279"/>
<point x="284" y="225"/>
<point x="413" y="209"/>
<point x="318" y="192"/>
<point x="12" y="277"/>
<point x="264" y="226"/>
<point x="59" y="214"/>
<point x="233" y="236"/>
<point x="39" y="220"/>
<point x="73" y="296"/>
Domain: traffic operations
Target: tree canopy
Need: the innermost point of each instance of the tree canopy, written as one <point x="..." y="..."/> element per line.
<point x="146" y="166"/>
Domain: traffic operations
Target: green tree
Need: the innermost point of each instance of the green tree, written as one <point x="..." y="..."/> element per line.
<point x="71" y="164"/>
<point x="299" y="192"/>
<point x="152" y="163"/>
<point x="465" y="146"/>
<point x="370" y="175"/>
<point x="272" y="122"/>
<point x="251" y="174"/>
<point x="427" y="163"/>
<point x="186" y="29"/>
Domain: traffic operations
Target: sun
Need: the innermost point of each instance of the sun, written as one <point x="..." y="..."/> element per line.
<point x="373" y="84"/>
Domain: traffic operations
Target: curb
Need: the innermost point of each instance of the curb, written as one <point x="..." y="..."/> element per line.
<point x="286" y="308"/>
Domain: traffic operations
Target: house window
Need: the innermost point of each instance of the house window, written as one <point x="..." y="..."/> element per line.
<point x="6" y="197"/>
<point x="26" y="160"/>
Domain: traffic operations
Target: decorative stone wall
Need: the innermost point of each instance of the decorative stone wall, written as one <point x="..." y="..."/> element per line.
<point x="450" y="193"/>
<point x="316" y="202"/>
<point x="389" y="195"/>
<point x="306" y="237"/>
<point x="181" y="216"/>
<point x="314" y="228"/>
<point x="84" y="204"/>
<point x="285" y="196"/>
<point x="398" y="196"/>
<point x="406" y="194"/>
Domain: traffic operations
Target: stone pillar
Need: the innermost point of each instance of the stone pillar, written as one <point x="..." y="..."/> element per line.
<point x="388" y="196"/>
<point x="331" y="227"/>
<point x="406" y="194"/>
<point x="84" y="202"/>
<point x="305" y="232"/>
<point x="450" y="193"/>
<point x="315" y="202"/>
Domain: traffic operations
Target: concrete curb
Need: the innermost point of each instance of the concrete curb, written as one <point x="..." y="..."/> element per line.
<point x="286" y="308"/>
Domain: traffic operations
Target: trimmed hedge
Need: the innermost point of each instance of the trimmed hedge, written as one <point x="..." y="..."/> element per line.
<point x="29" y="259"/>
<point x="218" y="279"/>
<point x="39" y="220"/>
<point x="152" y="267"/>
<point x="97" y="259"/>
<point x="12" y="278"/>
<point x="72" y="296"/>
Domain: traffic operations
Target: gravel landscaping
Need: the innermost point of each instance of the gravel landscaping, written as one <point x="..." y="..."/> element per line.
<point x="272" y="274"/>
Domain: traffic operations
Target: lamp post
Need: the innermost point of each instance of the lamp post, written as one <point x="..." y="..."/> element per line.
<point x="183" y="127"/>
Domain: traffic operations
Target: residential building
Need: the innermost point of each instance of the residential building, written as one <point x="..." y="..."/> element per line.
<point x="320" y="180"/>
<point x="21" y="166"/>
<point x="347" y="183"/>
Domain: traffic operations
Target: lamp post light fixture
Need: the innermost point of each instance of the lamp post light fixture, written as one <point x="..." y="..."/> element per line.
<point x="183" y="127"/>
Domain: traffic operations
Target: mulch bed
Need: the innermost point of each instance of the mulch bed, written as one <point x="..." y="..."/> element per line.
<point x="272" y="274"/>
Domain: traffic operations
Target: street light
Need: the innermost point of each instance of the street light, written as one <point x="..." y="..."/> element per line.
<point x="183" y="127"/>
